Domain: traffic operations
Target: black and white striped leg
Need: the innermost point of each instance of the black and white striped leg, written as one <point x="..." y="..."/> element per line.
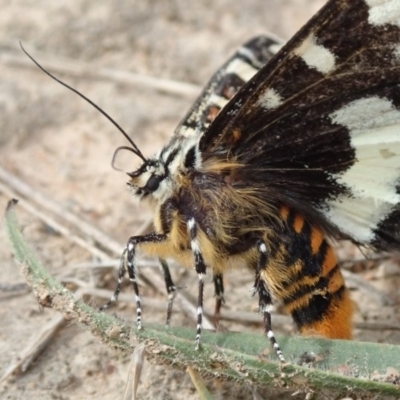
<point x="200" y="267"/>
<point x="219" y="297"/>
<point x="265" y="300"/>
<point x="121" y="274"/>
<point x="128" y="263"/>
<point x="131" y="266"/>
<point x="171" y="289"/>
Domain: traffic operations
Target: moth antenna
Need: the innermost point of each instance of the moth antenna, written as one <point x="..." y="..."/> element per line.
<point x="134" y="148"/>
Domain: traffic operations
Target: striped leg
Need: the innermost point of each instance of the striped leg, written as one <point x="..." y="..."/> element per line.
<point x="219" y="297"/>
<point x="171" y="289"/>
<point x="121" y="274"/>
<point x="128" y="263"/>
<point x="201" y="271"/>
<point x="265" y="299"/>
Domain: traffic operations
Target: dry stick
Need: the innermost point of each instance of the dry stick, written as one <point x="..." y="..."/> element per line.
<point x="95" y="264"/>
<point x="106" y="294"/>
<point x="83" y="70"/>
<point x="101" y="238"/>
<point x="35" y="196"/>
<point x="38" y="343"/>
<point x="377" y="326"/>
<point x="368" y="258"/>
<point x="144" y="262"/>
<point x="135" y="371"/>
<point x="367" y="288"/>
<point x="12" y="288"/>
<point x="199" y="384"/>
<point x="54" y="224"/>
<point x="33" y="349"/>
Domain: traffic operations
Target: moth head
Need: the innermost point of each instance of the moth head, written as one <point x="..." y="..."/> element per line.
<point x="149" y="180"/>
<point x="157" y="177"/>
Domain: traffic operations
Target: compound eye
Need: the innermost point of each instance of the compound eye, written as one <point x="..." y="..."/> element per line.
<point x="153" y="183"/>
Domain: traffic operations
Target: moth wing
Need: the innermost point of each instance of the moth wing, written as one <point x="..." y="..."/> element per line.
<point x="318" y="127"/>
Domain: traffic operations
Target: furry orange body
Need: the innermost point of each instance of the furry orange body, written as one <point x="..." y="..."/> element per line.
<point x="301" y="272"/>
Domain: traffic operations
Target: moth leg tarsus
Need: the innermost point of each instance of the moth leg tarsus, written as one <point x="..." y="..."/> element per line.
<point x="121" y="275"/>
<point x="199" y="311"/>
<point x="130" y="263"/>
<point x="219" y="297"/>
<point x="265" y="299"/>
<point x="200" y="268"/>
<point x="171" y="290"/>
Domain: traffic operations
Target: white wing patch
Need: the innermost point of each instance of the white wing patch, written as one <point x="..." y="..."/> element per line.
<point x="363" y="115"/>
<point x="315" y="55"/>
<point x="384" y="12"/>
<point x="357" y="216"/>
<point x="374" y="125"/>
<point x="270" y="99"/>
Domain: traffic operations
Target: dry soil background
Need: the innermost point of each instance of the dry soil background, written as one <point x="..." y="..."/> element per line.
<point x="62" y="148"/>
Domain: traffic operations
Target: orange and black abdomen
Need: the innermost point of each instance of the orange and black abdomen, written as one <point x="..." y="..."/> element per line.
<point x="313" y="288"/>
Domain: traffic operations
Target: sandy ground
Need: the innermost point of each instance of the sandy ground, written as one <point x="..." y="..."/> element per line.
<point x="62" y="148"/>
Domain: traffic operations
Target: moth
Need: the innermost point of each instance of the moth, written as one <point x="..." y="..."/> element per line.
<point x="281" y="154"/>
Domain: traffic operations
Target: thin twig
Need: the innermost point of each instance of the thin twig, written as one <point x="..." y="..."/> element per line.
<point x="106" y="294"/>
<point x="377" y="326"/>
<point x="199" y="384"/>
<point x="35" y="347"/>
<point x="94" y="264"/>
<point x="83" y="70"/>
<point x="365" y="287"/>
<point x="369" y="258"/>
<point x="61" y="212"/>
<point x="135" y="371"/>
<point x="13" y="287"/>
<point x="62" y="229"/>
<point x="143" y="262"/>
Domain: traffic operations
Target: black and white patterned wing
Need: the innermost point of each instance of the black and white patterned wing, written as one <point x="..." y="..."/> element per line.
<point x="224" y="84"/>
<point x="319" y="126"/>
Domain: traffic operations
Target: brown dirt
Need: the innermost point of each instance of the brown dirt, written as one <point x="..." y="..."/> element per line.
<point x="62" y="147"/>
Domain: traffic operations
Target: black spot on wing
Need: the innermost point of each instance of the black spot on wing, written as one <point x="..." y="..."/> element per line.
<point x="190" y="158"/>
<point x="387" y="233"/>
<point x="291" y="80"/>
